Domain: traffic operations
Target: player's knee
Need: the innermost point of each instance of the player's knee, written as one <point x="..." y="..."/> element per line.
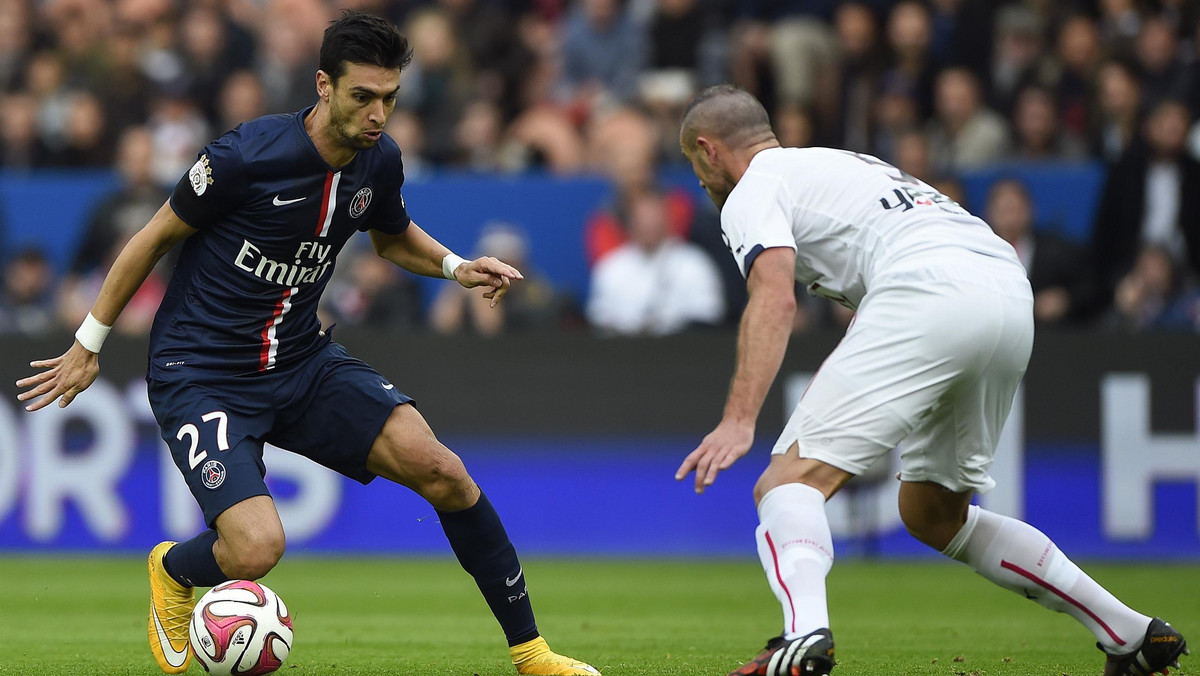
<point x="444" y="482"/>
<point x="255" y="557"/>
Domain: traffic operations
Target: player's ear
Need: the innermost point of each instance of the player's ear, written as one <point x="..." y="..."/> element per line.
<point x="708" y="148"/>
<point x="324" y="85"/>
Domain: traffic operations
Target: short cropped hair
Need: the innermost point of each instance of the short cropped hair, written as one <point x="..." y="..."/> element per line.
<point x="727" y="112"/>
<point x="357" y="37"/>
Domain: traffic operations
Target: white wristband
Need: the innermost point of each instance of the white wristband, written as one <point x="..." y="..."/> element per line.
<point x="91" y="334"/>
<point x="450" y="263"/>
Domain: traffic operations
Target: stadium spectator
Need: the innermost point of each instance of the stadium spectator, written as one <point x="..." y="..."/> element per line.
<point x="479" y="138"/>
<point x="622" y="145"/>
<point x="802" y="49"/>
<point x="27" y="300"/>
<point x="16" y="35"/>
<point x="1117" y="112"/>
<point x="370" y="291"/>
<point x="1150" y="196"/>
<point x="1120" y="22"/>
<point x="1073" y="86"/>
<point x="895" y="113"/>
<point x="20" y="145"/>
<point x="1162" y="74"/>
<point x="1037" y="135"/>
<point x="127" y="90"/>
<point x="177" y="128"/>
<point x="861" y="63"/>
<point x="439" y="86"/>
<point x="405" y="129"/>
<point x="285" y="63"/>
<point x="655" y="283"/>
<point x="909" y="31"/>
<point x="965" y="134"/>
<point x="687" y="48"/>
<point x="531" y="305"/>
<point x="85" y="142"/>
<point x="1017" y="58"/>
<point x="1058" y="270"/>
<point x="1152" y="295"/>
<point x="241" y="98"/>
<point x="603" y="51"/>
<point x="123" y="212"/>
<point x="794" y="125"/>
<point x="962" y="32"/>
<point x="213" y="48"/>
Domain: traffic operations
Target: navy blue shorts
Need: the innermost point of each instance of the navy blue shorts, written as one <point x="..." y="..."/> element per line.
<point x="330" y="409"/>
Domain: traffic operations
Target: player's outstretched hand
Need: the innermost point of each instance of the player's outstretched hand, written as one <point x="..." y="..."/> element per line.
<point x="64" y="376"/>
<point x="730" y="441"/>
<point x="488" y="271"/>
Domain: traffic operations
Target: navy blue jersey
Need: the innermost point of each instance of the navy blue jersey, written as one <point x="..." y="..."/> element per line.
<point x="272" y="217"/>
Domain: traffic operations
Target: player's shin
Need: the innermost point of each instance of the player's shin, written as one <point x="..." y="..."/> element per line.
<point x="482" y="546"/>
<point x="796" y="550"/>
<point x="1021" y="558"/>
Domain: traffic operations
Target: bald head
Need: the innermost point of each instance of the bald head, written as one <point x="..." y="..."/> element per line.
<point x="726" y="113"/>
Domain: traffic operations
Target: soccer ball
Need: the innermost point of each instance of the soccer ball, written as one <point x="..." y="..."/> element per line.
<point x="241" y="628"/>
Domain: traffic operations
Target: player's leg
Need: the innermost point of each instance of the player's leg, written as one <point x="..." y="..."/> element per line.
<point x="373" y="430"/>
<point x="795" y="548"/>
<point x="945" y="461"/>
<point x="1020" y="558"/>
<point x="868" y="395"/>
<point x="407" y="452"/>
<point x="222" y="466"/>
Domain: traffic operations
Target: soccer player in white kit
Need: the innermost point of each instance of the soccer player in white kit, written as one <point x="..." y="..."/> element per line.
<point x="940" y="340"/>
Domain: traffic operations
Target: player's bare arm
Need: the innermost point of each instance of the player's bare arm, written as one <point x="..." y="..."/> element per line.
<point x="71" y="373"/>
<point x="416" y="251"/>
<point x="762" y="340"/>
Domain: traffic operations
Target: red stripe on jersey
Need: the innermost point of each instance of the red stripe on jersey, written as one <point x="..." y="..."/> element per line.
<point x="328" y="202"/>
<point x="324" y="203"/>
<point x="270" y="344"/>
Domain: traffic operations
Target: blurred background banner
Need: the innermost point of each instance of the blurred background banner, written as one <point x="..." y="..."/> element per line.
<point x="578" y="442"/>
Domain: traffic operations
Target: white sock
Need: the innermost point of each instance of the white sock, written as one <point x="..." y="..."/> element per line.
<point x="1021" y="558"/>
<point x="796" y="551"/>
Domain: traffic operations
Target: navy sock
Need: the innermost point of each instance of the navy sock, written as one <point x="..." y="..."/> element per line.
<point x="193" y="564"/>
<point x="484" y="550"/>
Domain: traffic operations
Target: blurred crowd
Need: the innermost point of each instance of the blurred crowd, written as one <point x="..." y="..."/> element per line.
<point x="936" y="87"/>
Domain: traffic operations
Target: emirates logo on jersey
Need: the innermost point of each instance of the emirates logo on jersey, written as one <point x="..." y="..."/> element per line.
<point x="360" y="202"/>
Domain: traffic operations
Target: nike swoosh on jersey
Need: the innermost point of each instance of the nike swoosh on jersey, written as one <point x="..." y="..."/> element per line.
<point x="514" y="579"/>
<point x="169" y="650"/>
<point x="387" y="386"/>
<point x="278" y="202"/>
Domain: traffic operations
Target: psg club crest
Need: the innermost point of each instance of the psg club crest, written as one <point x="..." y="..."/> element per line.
<point x="213" y="474"/>
<point x="200" y="176"/>
<point x="358" y="205"/>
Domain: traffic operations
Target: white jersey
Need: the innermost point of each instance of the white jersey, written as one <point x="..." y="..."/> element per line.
<point x="852" y="219"/>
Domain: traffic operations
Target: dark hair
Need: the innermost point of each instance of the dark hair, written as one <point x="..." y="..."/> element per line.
<point x="357" y="37"/>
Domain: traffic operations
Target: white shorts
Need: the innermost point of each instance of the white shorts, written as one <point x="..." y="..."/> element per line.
<point x="933" y="359"/>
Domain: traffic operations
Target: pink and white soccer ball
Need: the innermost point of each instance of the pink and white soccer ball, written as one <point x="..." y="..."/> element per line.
<point x="241" y="628"/>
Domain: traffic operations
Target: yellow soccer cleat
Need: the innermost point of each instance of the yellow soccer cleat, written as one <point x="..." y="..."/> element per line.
<point x="170" y="611"/>
<point x="535" y="658"/>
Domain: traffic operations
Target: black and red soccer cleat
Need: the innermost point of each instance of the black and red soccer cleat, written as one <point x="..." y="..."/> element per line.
<point x="810" y="655"/>
<point x="1160" y="650"/>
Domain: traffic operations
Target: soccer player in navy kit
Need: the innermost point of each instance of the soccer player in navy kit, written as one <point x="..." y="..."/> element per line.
<point x="238" y="358"/>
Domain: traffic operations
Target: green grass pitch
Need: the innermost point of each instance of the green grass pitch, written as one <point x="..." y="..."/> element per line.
<point x="380" y="616"/>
